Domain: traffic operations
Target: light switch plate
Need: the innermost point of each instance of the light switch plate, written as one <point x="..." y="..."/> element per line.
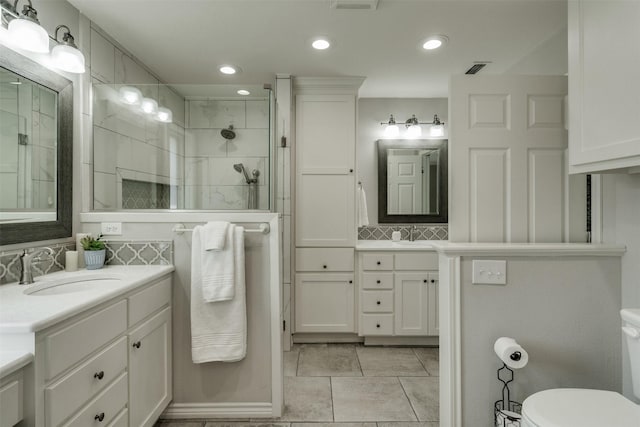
<point x="487" y="272"/>
<point x="111" y="228"/>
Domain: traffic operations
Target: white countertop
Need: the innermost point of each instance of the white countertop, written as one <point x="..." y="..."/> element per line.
<point x="527" y="249"/>
<point x="11" y="361"/>
<point x="388" y="245"/>
<point x="22" y="313"/>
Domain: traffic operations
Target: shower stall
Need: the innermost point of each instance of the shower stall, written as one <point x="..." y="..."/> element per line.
<point x="193" y="147"/>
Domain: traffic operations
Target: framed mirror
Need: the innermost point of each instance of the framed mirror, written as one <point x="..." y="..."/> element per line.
<point x="412" y="181"/>
<point x="36" y="142"/>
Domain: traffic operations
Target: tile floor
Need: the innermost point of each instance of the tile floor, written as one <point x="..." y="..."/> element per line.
<point x="349" y="385"/>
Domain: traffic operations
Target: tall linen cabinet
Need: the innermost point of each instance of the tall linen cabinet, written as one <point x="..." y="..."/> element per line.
<point x="325" y="208"/>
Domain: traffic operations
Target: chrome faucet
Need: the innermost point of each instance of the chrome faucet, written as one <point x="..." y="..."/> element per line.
<point x="26" y="259"/>
<point x="412" y="236"/>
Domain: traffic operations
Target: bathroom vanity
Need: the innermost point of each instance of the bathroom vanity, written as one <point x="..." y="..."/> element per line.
<point x="101" y="343"/>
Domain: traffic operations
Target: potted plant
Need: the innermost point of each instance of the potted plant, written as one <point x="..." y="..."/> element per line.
<point x="94" y="252"/>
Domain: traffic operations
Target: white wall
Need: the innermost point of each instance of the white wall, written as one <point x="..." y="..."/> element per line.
<point x="621" y="224"/>
<point x="373" y="111"/>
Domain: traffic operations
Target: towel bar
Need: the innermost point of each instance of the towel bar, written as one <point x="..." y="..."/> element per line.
<point x="264" y="228"/>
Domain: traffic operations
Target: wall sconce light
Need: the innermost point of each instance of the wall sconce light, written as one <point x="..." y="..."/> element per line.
<point x="164" y="115"/>
<point x="414" y="130"/>
<point x="25" y="32"/>
<point x="149" y="105"/>
<point x="130" y="95"/>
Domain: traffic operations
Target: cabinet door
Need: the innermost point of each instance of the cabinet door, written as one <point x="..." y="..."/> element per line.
<point x="434" y="306"/>
<point x="604" y="89"/>
<point x="411" y="303"/>
<point x="150" y="369"/>
<point x="324" y="303"/>
<point x="325" y="210"/>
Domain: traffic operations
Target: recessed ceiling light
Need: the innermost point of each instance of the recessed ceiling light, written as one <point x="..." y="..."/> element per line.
<point x="228" y="69"/>
<point x="434" y="42"/>
<point x="321" y="43"/>
<point x="244" y="92"/>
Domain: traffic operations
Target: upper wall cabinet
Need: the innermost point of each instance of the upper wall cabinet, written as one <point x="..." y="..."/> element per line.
<point x="604" y="89"/>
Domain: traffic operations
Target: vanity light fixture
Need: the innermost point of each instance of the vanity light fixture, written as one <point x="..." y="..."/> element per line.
<point x="414" y="130"/>
<point x="130" y="95"/>
<point x="434" y="42"/>
<point x="392" y="130"/>
<point x="243" y="92"/>
<point x="321" y="43"/>
<point x="164" y="115"/>
<point x="149" y="105"/>
<point x="25" y="32"/>
<point x="228" y="69"/>
<point x="65" y="54"/>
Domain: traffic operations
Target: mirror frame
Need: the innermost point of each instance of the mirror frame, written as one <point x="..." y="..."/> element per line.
<point x="62" y="227"/>
<point x="383" y="146"/>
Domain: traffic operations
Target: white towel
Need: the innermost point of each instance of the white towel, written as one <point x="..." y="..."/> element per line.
<point x="363" y="216"/>
<point x="213" y="270"/>
<point x="215" y="235"/>
<point x="219" y="329"/>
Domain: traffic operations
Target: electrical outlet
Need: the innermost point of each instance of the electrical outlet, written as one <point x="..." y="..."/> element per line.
<point x="111" y="228"/>
<point x="489" y="272"/>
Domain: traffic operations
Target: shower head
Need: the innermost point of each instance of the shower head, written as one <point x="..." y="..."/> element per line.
<point x="239" y="167"/>
<point x="228" y="133"/>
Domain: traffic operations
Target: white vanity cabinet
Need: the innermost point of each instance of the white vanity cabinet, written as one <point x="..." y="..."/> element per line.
<point x="11" y="399"/>
<point x="109" y="365"/>
<point x="604" y="89"/>
<point x="398" y="293"/>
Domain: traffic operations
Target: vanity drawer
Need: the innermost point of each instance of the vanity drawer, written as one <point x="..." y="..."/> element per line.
<point x="148" y="301"/>
<point x="107" y="404"/>
<point x="11" y="402"/>
<point x="324" y="259"/>
<point x="377" y="301"/>
<point x="377" y="324"/>
<point x="122" y="419"/>
<point x="68" y="346"/>
<point x="377" y="261"/>
<point x="67" y="395"/>
<point x="377" y="280"/>
<point x="417" y="261"/>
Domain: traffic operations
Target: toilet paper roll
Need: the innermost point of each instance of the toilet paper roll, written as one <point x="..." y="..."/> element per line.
<point x="511" y="353"/>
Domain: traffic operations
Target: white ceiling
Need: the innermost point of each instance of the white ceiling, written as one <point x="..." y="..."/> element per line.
<point x="184" y="41"/>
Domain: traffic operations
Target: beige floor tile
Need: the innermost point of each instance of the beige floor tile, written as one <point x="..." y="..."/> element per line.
<point x="410" y="424"/>
<point x="429" y="356"/>
<point x="389" y="362"/>
<point x="424" y="396"/>
<point x="328" y="360"/>
<point x="307" y="399"/>
<point x="167" y="423"/>
<point x="245" y="424"/>
<point x="290" y="363"/>
<point x="333" y="425"/>
<point x="370" y="399"/>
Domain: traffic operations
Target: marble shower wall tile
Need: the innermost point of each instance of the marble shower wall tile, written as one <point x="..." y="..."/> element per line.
<point x="383" y="232"/>
<point x="214" y="114"/>
<point x="10" y="262"/>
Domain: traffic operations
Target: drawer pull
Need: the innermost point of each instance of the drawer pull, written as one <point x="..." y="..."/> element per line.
<point x="377" y="325"/>
<point x="137" y="344"/>
<point x="99" y="375"/>
<point x="378" y="302"/>
<point x="378" y="263"/>
<point x="433" y="281"/>
<point x="424" y="281"/>
<point x="350" y="281"/>
<point x="99" y="417"/>
<point x="324" y="266"/>
<point x="351" y="170"/>
<point x="378" y="281"/>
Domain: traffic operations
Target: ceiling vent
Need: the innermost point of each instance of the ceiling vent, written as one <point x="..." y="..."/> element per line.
<point x="477" y="66"/>
<point x="354" y="4"/>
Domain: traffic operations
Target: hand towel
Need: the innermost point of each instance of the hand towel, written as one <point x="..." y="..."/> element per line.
<point x="215" y="235"/>
<point x="363" y="216"/>
<point x="219" y="329"/>
<point x="215" y="271"/>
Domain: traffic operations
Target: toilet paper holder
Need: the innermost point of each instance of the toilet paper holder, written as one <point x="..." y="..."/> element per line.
<point x="506" y="411"/>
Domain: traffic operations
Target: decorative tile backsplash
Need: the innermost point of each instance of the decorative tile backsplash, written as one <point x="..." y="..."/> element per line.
<point x="145" y="195"/>
<point x="119" y="252"/>
<point x="10" y="262"/>
<point x="383" y="232"/>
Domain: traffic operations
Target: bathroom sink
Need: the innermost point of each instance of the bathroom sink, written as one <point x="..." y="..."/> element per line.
<point x="416" y="243"/>
<point x="73" y="284"/>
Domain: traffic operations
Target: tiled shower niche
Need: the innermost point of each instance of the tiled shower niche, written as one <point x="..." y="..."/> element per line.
<point x="141" y="163"/>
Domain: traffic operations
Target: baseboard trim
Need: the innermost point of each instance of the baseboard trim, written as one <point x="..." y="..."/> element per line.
<point x="218" y="410"/>
<point x="406" y="341"/>
<point x="314" y="337"/>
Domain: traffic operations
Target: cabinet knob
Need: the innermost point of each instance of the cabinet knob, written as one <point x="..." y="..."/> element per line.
<point x="324" y="266"/>
<point x="378" y="302"/>
<point x="99" y="375"/>
<point x="350" y="170"/>
<point x="378" y="262"/>
<point x="433" y="281"/>
<point x="424" y="281"/>
<point x="377" y="325"/>
<point x="378" y="281"/>
<point x="350" y="281"/>
<point x="137" y="344"/>
<point x="99" y="417"/>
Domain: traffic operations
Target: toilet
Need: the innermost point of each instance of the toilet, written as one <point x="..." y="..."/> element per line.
<point x="573" y="407"/>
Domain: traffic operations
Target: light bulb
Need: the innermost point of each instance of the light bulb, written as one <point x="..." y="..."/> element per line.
<point x="227" y="69"/>
<point x="321" y="44"/>
<point x="149" y="106"/>
<point x="130" y="95"/>
<point x="68" y="58"/>
<point x="414" y="131"/>
<point x="437" y="130"/>
<point x="28" y="35"/>
<point x="164" y="115"/>
<point x="243" y="92"/>
<point x="391" y="131"/>
<point x="434" y="42"/>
